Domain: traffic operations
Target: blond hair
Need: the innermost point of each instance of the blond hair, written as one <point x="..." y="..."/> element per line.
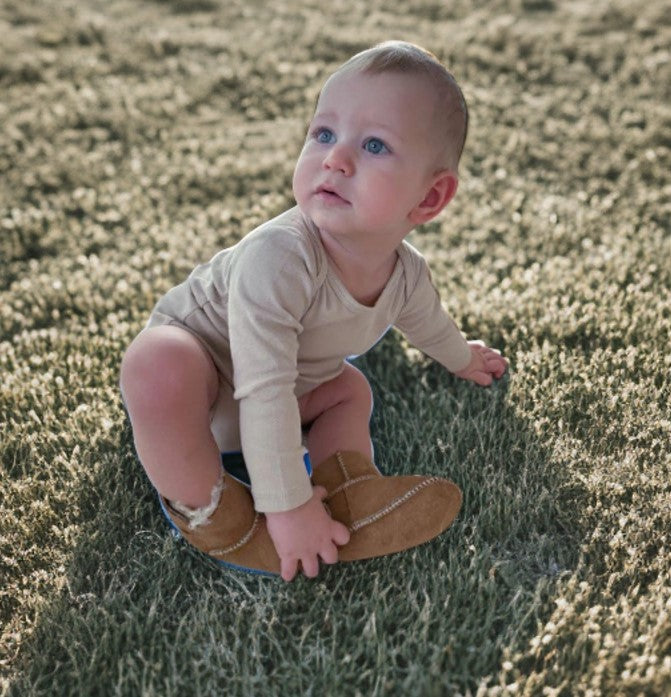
<point x="406" y="58"/>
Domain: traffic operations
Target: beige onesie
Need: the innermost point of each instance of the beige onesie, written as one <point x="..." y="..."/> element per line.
<point x="278" y="322"/>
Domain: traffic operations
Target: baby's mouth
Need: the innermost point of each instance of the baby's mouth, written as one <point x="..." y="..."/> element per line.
<point x="328" y="194"/>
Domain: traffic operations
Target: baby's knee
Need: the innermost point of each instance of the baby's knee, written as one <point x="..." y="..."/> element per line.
<point x="358" y="387"/>
<point x="156" y="371"/>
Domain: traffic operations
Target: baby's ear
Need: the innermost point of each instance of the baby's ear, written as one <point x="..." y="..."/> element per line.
<point x="442" y="191"/>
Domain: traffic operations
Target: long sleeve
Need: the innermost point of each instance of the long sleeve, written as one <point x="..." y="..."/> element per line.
<point x="429" y="327"/>
<point x="270" y="289"/>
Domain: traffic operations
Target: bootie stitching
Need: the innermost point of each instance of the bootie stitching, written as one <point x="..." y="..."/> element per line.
<point x="240" y="543"/>
<point x="362" y="522"/>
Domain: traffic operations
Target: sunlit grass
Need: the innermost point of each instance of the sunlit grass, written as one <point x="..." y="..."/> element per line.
<point x="136" y="140"/>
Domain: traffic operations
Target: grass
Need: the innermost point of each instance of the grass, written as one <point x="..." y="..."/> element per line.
<point x="137" y="139"/>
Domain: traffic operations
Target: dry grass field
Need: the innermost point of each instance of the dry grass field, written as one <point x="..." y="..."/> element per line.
<point x="136" y="139"/>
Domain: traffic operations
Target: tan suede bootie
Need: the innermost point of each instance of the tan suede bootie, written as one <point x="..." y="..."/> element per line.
<point x="235" y="534"/>
<point x="384" y="514"/>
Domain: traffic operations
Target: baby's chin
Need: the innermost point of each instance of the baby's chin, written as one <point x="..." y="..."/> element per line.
<point x="321" y="213"/>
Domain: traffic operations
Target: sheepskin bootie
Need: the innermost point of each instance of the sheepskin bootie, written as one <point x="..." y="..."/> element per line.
<point x="384" y="514"/>
<point x="234" y="534"/>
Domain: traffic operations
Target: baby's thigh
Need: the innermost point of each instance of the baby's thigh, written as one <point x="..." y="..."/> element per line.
<point x="350" y="386"/>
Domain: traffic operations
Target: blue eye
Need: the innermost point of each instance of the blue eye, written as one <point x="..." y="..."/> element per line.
<point x="375" y="146"/>
<point x="324" y="135"/>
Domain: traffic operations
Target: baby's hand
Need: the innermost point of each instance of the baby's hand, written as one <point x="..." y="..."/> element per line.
<point x="486" y="364"/>
<point x="306" y="534"/>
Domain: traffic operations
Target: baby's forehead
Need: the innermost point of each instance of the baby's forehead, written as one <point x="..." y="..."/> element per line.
<point x="412" y="91"/>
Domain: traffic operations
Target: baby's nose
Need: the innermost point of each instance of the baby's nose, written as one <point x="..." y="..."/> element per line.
<point x="339" y="158"/>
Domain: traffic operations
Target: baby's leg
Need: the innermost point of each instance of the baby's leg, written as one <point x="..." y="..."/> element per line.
<point x="339" y="413"/>
<point x="169" y="383"/>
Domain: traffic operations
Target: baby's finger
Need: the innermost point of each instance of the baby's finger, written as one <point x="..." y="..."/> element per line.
<point x="495" y="363"/>
<point x="339" y="533"/>
<point x="495" y="367"/>
<point x="501" y="369"/>
<point x="320" y="491"/>
<point x="329" y="555"/>
<point x="288" y="567"/>
<point x="310" y="566"/>
<point x="482" y="378"/>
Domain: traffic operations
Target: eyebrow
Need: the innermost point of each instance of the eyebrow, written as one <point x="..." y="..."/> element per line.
<point x="324" y="114"/>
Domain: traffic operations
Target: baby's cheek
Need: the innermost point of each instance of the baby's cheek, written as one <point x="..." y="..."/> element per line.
<point x="299" y="184"/>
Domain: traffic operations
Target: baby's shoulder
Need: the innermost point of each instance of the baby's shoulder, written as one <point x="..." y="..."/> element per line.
<point x="287" y="241"/>
<point x="413" y="261"/>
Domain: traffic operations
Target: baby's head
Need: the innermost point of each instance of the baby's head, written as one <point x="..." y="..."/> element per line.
<point x="384" y="143"/>
<point x="403" y="58"/>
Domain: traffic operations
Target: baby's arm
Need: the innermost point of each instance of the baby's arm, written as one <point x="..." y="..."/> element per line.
<point x="485" y="364"/>
<point x="427" y="326"/>
<point x="306" y="534"/>
<point x="270" y="287"/>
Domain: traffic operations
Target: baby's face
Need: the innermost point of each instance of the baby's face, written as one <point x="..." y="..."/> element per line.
<point x="370" y="154"/>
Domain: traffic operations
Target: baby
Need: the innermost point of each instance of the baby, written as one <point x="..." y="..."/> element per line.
<point x="250" y="353"/>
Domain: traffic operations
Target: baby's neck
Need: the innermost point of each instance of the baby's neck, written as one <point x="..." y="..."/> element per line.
<point x="365" y="275"/>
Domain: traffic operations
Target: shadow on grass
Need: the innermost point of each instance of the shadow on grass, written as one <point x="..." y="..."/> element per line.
<point x="143" y="614"/>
